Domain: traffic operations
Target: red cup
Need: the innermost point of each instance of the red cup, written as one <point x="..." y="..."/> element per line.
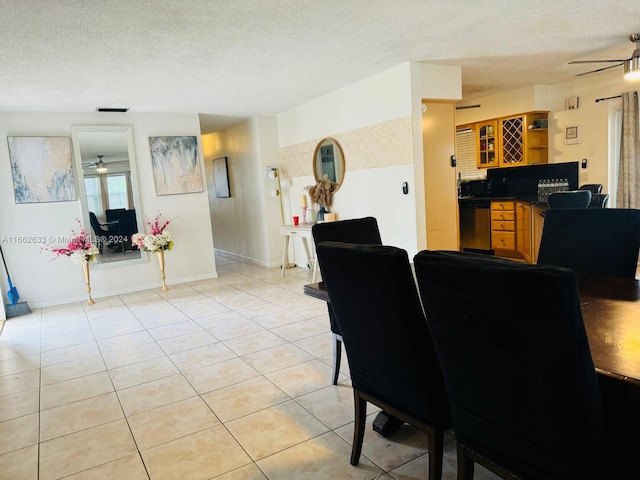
<point x="296" y="219"/>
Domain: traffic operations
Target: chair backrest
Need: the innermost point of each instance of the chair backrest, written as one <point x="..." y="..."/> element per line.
<point x="112" y="213"/>
<point x="391" y="357"/>
<point x="598" y="241"/>
<point x="599" y="200"/>
<point x="521" y="381"/>
<point x="95" y="225"/>
<point x="127" y="224"/>
<point x="592" y="187"/>
<point x="570" y="199"/>
<point x="355" y="230"/>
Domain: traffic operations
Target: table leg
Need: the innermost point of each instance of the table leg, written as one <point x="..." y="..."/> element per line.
<point x="306" y="249"/>
<point x="285" y="260"/>
<point x="315" y="268"/>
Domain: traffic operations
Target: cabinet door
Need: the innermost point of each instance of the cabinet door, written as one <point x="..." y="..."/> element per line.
<point x="487" y="144"/>
<point x="512" y="141"/>
<point x="523" y="230"/>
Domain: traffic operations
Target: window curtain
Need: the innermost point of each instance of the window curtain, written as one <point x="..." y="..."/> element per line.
<point x="104" y="194"/>
<point x="628" y="193"/>
<point x="127" y="176"/>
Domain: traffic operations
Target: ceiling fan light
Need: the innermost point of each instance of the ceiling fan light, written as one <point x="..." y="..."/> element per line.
<point x="101" y="167"/>
<point x="632" y="68"/>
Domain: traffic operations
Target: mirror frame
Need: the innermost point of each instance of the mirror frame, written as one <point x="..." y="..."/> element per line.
<point x="76" y="130"/>
<point x="343" y="165"/>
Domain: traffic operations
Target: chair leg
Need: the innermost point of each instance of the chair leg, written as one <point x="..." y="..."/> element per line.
<point x="435" y="442"/>
<point x="465" y="464"/>
<point x="360" y="407"/>
<point x="336" y="342"/>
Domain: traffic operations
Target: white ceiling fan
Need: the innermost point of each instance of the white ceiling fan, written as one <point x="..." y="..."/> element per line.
<point x="631" y="65"/>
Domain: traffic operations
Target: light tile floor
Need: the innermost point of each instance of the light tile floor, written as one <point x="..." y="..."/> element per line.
<point x="226" y="378"/>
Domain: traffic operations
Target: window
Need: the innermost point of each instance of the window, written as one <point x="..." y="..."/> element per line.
<point x="92" y="185"/>
<point x="117" y="191"/>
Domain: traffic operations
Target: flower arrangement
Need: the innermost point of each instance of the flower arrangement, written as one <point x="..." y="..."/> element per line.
<point x="79" y="248"/>
<point x="322" y="191"/>
<point x="158" y="238"/>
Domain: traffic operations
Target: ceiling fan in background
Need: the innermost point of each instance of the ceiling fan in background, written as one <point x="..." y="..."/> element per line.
<point x="631" y="65"/>
<point x="100" y="166"/>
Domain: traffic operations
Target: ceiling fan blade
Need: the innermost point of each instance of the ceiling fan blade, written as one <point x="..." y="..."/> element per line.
<point x="597" y="70"/>
<point x="594" y="61"/>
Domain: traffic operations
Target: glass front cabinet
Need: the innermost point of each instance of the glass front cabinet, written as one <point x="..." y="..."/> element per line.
<point x="487" y="144"/>
<point x="513" y="141"/>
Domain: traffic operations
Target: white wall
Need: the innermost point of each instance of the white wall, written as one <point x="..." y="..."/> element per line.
<point x="43" y="282"/>
<point x="390" y="95"/>
<point x="364" y="192"/>
<point x="246" y="223"/>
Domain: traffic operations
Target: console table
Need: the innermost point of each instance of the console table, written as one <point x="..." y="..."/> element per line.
<point x="303" y="231"/>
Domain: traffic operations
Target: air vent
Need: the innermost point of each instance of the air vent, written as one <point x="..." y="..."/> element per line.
<point x="116" y="110"/>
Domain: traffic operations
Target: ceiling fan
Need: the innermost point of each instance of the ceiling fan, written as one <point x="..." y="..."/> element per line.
<point x="631" y="65"/>
<point x="100" y="166"/>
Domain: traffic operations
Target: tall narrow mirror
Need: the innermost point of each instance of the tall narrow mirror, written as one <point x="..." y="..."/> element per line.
<point x="108" y="191"/>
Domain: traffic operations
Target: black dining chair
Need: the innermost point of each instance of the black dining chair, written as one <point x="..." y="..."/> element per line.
<point x="100" y="233"/>
<point x="127" y="226"/>
<point x="599" y="200"/>
<point x="355" y="230"/>
<point x="112" y="213"/>
<point x="393" y="365"/>
<point x="592" y="187"/>
<point x="598" y="241"/>
<point x="518" y="370"/>
<point x="569" y="199"/>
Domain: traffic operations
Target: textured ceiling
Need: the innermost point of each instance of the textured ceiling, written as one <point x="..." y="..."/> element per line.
<point x="232" y="59"/>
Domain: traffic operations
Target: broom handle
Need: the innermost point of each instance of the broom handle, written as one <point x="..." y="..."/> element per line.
<point x="6" y="269"/>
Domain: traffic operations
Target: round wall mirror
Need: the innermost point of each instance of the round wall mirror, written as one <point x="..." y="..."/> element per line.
<point x="328" y="159"/>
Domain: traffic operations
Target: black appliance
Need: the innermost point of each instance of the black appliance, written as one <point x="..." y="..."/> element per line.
<point x="475" y="224"/>
<point x="476" y="188"/>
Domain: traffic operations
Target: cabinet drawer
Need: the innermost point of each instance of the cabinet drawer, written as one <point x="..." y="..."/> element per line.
<point x="501" y="226"/>
<point x="503" y="206"/>
<point x="503" y="240"/>
<point x="503" y="215"/>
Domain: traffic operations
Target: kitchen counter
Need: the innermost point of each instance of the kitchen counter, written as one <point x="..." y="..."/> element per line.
<point x="529" y="199"/>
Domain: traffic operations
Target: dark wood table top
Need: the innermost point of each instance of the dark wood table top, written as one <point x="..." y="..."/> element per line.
<point x="316" y="290"/>
<point x="611" y="313"/>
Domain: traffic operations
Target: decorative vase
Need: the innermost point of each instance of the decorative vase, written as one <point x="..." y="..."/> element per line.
<point x="321" y="213"/>
<point x="161" y="261"/>
<point x="87" y="280"/>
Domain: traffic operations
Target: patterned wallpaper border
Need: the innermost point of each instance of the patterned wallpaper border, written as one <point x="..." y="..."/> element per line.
<point x="386" y="144"/>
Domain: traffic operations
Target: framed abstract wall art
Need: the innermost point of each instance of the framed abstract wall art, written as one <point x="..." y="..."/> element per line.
<point x="221" y="177"/>
<point x="176" y="165"/>
<point x="41" y="169"/>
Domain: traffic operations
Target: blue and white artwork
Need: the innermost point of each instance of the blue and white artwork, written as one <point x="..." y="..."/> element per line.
<point x="176" y="165"/>
<point x="41" y="169"/>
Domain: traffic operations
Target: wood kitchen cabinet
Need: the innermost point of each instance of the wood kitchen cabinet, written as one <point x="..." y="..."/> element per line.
<point x="517" y="140"/>
<point x="529" y="223"/>
<point x="523" y="230"/>
<point x="487" y="144"/>
<point x="503" y="226"/>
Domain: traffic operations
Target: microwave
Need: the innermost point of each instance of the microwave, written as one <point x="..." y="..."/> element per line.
<point x="476" y="188"/>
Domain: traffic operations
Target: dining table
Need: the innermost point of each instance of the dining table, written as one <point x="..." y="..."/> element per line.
<point x="611" y="315"/>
